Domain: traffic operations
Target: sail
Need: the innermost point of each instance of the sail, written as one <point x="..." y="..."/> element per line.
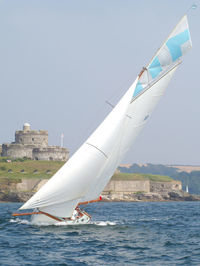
<point x="88" y="171"/>
<point x="71" y="182"/>
<point x="137" y="115"/>
<point x="151" y="85"/>
<point x="176" y="45"/>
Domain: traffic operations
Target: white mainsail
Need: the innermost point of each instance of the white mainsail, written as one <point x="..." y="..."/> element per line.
<point x="88" y="171"/>
<point x="137" y="116"/>
<point x="71" y="182"/>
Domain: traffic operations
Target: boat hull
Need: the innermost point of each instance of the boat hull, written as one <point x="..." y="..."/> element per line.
<point x="77" y="218"/>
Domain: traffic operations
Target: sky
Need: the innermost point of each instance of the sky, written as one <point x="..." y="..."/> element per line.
<point x="60" y="61"/>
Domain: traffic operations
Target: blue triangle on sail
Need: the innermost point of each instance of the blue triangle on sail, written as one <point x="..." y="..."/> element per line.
<point x="174" y="44"/>
<point x="138" y="89"/>
<point x="155" y="68"/>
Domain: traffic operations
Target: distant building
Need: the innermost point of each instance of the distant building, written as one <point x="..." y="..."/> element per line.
<point x="33" y="144"/>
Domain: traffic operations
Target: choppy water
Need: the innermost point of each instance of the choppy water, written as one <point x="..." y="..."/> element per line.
<point x="166" y="233"/>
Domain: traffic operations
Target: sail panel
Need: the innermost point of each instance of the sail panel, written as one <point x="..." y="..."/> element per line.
<point x="177" y="44"/>
<point x="139" y="111"/>
<point x="138" y="89"/>
<point x="155" y="68"/>
<point x="174" y="44"/>
<point x="104" y="137"/>
<point x="72" y="181"/>
<point x="99" y="182"/>
<point x="64" y="209"/>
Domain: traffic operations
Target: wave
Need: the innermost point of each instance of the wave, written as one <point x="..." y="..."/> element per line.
<point x="19" y="221"/>
<point x="98" y="223"/>
<point x="103" y="223"/>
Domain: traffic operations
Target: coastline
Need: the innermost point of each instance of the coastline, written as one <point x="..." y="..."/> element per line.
<point x="123" y="187"/>
<point x="154" y="197"/>
<point x="131" y="197"/>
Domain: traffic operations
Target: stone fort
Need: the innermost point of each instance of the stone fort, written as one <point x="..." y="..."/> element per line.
<point x="33" y="144"/>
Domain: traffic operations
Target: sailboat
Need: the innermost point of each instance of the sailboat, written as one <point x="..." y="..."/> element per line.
<point x="83" y="177"/>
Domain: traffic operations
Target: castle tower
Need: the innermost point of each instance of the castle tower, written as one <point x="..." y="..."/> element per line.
<point x="26" y="127"/>
<point x="33" y="144"/>
<point x="31" y="137"/>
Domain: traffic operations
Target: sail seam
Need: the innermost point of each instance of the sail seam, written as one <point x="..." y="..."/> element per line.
<point x="97" y="149"/>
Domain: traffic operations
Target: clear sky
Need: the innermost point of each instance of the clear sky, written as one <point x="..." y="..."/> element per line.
<point x="61" y="60"/>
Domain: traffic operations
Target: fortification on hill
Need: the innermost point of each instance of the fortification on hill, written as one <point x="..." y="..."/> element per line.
<point x="33" y="144"/>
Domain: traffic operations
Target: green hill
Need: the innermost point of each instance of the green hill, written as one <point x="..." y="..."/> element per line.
<point x="26" y="168"/>
<point x="137" y="176"/>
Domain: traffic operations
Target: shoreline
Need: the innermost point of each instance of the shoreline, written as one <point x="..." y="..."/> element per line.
<point x="175" y="196"/>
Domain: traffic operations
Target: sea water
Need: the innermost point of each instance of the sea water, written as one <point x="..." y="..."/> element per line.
<point x="120" y="233"/>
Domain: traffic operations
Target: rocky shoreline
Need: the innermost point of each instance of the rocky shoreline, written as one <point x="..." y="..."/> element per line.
<point x="151" y="197"/>
<point x="116" y="190"/>
<point x="131" y="197"/>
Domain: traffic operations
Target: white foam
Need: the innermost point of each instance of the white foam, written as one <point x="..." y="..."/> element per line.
<point x="17" y="220"/>
<point x="98" y="223"/>
<point x="103" y="223"/>
<point x="13" y="221"/>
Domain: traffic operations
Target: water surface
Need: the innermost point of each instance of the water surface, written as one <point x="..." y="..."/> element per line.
<point x="121" y="233"/>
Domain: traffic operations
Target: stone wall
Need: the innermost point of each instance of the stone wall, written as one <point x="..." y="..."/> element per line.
<point x="142" y="186"/>
<point x="136" y="190"/>
<point x="116" y="190"/>
<point x="52" y="153"/>
<point x="16" y="150"/>
<point x="32" y="137"/>
<point x="114" y="186"/>
<point x="128" y="186"/>
<point x="160" y="187"/>
<point x="28" y="184"/>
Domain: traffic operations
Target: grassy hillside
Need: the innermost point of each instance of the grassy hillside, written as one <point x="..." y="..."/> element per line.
<point x="128" y="176"/>
<point x="27" y="168"/>
<point x="24" y="168"/>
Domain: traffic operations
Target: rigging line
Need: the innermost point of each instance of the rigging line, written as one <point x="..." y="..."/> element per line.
<point x="110" y="104"/>
<point x="119" y="90"/>
<point x="91" y="125"/>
